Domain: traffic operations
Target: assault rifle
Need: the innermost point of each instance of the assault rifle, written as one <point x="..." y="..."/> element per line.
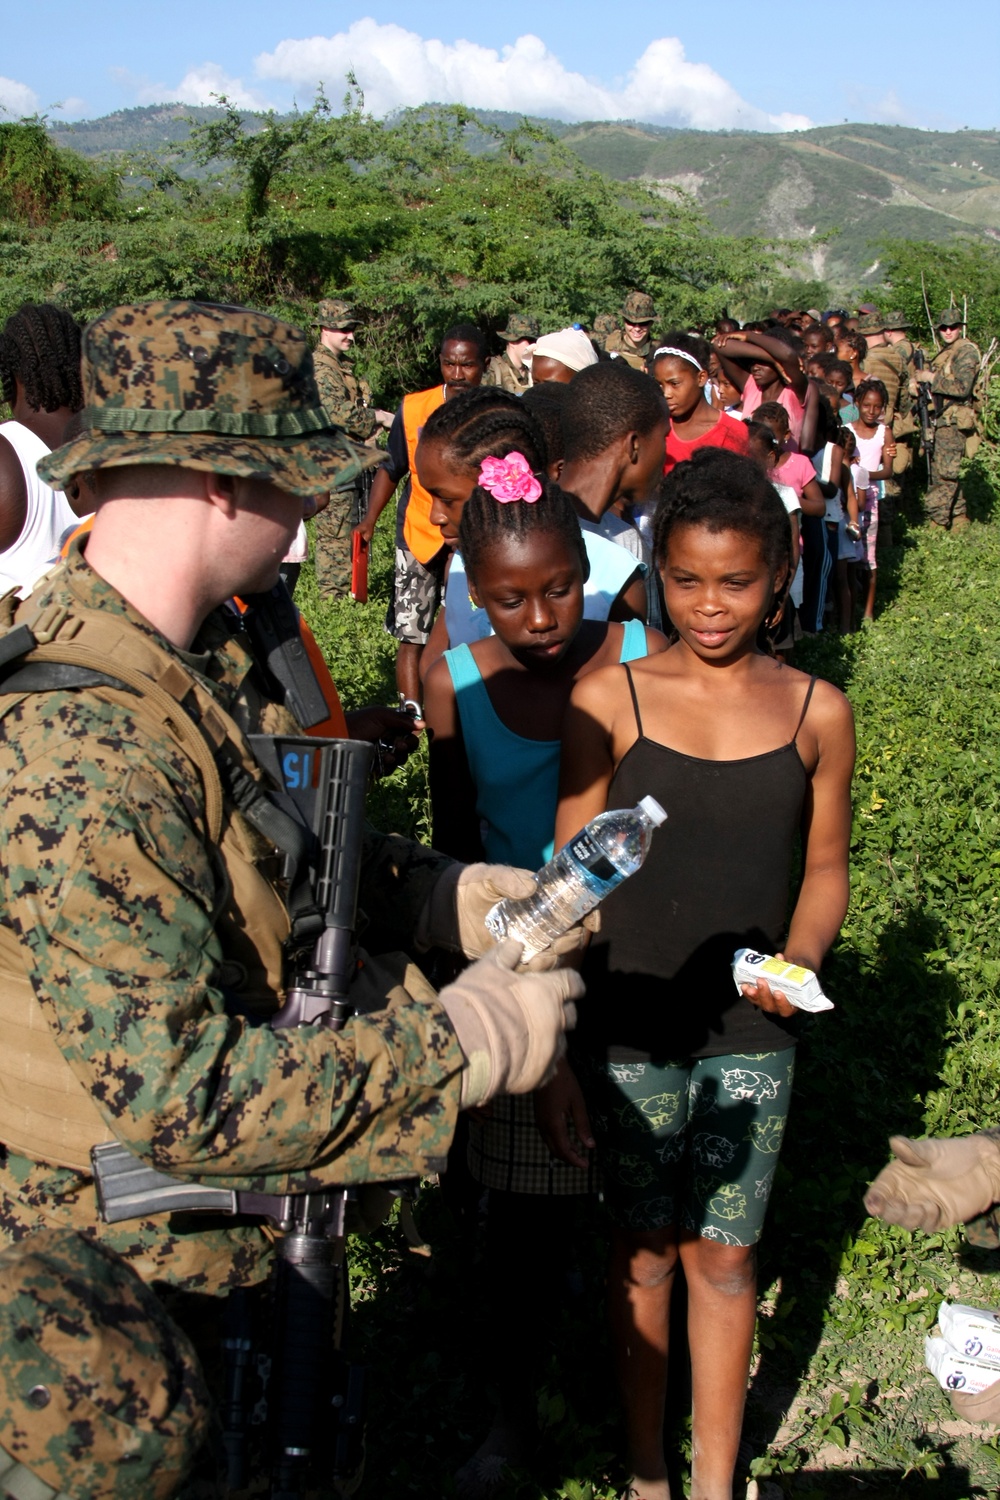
<point x="924" y="409"/>
<point x="315" y="815"/>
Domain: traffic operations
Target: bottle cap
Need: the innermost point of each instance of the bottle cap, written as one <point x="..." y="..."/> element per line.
<point x="654" y="812"/>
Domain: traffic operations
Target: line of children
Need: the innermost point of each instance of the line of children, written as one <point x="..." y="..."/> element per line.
<point x="494" y="710"/>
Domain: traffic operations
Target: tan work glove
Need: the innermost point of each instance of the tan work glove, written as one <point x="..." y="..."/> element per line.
<point x="984" y="1406"/>
<point x="510" y="1026"/>
<point x="934" y="1183"/>
<point x="454" y="915"/>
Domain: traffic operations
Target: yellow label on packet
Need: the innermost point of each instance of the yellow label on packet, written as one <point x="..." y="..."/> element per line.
<point x="776" y="968"/>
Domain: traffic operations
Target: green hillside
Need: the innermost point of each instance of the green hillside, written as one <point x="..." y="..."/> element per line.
<point x="847" y="188"/>
<point x="856" y="184"/>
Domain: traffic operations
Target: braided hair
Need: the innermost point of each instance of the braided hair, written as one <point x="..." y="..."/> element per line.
<point x="40" y="347"/>
<point x="485" y="422"/>
<point x="871" y="384"/>
<point x="486" y="523"/>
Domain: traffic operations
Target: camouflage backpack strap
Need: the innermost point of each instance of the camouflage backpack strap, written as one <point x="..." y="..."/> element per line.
<point x="87" y="641"/>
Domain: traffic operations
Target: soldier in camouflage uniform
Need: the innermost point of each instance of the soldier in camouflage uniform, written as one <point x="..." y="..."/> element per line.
<point x="885" y="362"/>
<point x="141" y="937"/>
<point x="347" y="400"/>
<point x="101" y="1395"/>
<point x="508" y="370"/>
<point x="633" y="343"/>
<point x="605" y="324"/>
<point x="952" y="375"/>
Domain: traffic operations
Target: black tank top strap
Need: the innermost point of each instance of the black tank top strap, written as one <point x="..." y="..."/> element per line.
<point x="635" y="700"/>
<point x="805" y="709"/>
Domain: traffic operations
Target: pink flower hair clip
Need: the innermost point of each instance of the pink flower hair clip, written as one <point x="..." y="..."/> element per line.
<point x="509" y="479"/>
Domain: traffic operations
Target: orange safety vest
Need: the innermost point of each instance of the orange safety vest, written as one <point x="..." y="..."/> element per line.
<point x="422" y="538"/>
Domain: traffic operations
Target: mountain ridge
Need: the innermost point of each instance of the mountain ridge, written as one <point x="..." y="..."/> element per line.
<point x="846" y="188"/>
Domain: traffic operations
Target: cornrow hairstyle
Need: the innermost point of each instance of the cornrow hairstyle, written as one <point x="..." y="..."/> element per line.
<point x="724" y="491"/>
<point x="487" y="523"/>
<point x="485" y="422"/>
<point x="871" y="384"/>
<point x="545" y="401"/>
<point x="40" y="347"/>
<point x="772" y="411"/>
<point x="855" y="341"/>
<point x="763" y="436"/>
<point x="691" y="343"/>
<point x="605" y="403"/>
<point x="466" y="333"/>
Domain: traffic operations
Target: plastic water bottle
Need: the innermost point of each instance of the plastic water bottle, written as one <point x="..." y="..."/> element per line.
<point x="578" y="877"/>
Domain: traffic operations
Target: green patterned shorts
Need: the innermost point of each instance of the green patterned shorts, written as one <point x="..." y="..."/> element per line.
<point x="691" y="1144"/>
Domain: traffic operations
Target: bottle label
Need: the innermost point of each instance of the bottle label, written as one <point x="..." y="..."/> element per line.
<point x="592" y="857"/>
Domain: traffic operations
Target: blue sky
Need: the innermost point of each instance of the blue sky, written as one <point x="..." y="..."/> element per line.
<point x="761" y="66"/>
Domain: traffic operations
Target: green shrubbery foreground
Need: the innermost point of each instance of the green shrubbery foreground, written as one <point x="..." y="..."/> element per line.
<point x="913" y="1046"/>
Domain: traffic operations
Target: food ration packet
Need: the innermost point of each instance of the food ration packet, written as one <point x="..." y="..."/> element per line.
<point x="800" y="986"/>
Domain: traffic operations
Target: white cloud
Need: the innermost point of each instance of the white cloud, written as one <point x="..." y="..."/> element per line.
<point x="73" y="107"/>
<point x="396" y="67"/>
<point x="199" y="84"/>
<point x="17" y="99"/>
<point x="196" y="87"/>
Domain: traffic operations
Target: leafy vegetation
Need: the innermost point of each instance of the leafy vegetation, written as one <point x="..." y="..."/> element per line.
<point x="420" y="230"/>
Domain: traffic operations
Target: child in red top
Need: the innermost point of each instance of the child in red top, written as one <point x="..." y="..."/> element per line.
<point x="680" y="369"/>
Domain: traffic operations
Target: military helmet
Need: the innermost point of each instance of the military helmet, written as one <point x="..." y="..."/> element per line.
<point x="871" y="322"/>
<point x="101" y="1394"/>
<point x="334" y="313"/>
<point x="519" y="326"/>
<point x="950" y="318"/>
<point x="638" y="308"/>
<point x="895" y="322"/>
<point x="201" y="386"/>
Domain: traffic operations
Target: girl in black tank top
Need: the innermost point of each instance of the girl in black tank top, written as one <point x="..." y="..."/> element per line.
<point x="686" y="1078"/>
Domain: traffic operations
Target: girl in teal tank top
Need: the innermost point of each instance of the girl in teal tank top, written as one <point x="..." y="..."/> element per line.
<point x="494" y="708"/>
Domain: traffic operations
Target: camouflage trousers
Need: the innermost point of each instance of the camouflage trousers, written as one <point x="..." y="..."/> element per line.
<point x="332" y="530"/>
<point x="945" y="500"/>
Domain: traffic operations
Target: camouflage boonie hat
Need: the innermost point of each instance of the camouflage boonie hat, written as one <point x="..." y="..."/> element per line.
<point x="895" y="322"/>
<point x="871" y="323"/>
<point x="101" y="1394"/>
<point x="519" y="326"/>
<point x="334" y="313"/>
<point x="202" y="386"/>
<point x="950" y="318"/>
<point x="638" y="308"/>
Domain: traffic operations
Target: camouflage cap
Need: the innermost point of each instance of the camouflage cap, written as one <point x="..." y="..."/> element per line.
<point x="202" y="386"/>
<point x="896" y="321"/>
<point x="334" y="313"/>
<point x="950" y="318"/>
<point x="519" y="326"/>
<point x="604" y="324"/>
<point x="101" y="1394"/>
<point x="638" y="308"/>
<point x="871" y="322"/>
